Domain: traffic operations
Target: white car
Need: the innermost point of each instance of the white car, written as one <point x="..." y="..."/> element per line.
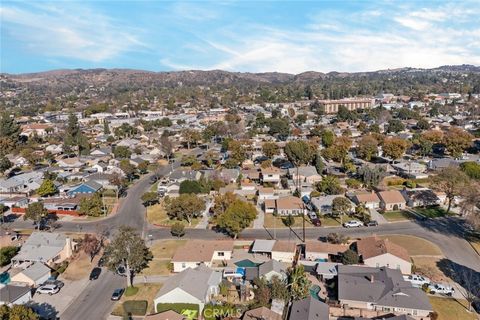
<point x="417" y="280"/>
<point x="48" y="289"/>
<point x="353" y="224"/>
<point x="440" y="288"/>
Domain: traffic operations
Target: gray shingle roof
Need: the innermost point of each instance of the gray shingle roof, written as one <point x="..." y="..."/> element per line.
<point x="36" y="271"/>
<point x="386" y="289"/>
<point x="11" y="293"/>
<point x="195" y="282"/>
<point x="309" y="309"/>
<point x="41" y="246"/>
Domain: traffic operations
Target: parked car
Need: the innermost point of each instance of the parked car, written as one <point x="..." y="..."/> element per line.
<point x="441" y="289"/>
<point x="54" y="282"/>
<point x="353" y="224"/>
<point x="417" y="280"/>
<point x="312" y="215"/>
<point x="48" y="289"/>
<point x="316" y="222"/>
<point x="121" y="271"/>
<point x="95" y="273"/>
<point x="117" y="294"/>
<point x="371" y="223"/>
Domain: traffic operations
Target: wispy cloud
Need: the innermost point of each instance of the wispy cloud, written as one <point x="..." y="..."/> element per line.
<point x="72" y="31"/>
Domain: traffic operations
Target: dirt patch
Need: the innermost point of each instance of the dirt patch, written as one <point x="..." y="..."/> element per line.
<point x="80" y="267"/>
<point x="414" y="245"/>
<point x="427" y="266"/>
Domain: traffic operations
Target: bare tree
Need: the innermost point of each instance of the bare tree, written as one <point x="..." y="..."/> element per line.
<point x="470" y="205"/>
<point x="91" y="245"/>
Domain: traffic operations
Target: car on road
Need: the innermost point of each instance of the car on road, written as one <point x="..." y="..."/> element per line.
<point x="372" y="223"/>
<point x="48" y="289"/>
<point x="54" y="282"/>
<point x="316" y="222"/>
<point x="117" y="294"/>
<point x="353" y="224"/>
<point x="95" y="273"/>
<point x="121" y="271"/>
<point x="441" y="289"/>
<point x="417" y="280"/>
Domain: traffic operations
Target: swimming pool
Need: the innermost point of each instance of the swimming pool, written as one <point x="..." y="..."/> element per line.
<point x="5" y="278"/>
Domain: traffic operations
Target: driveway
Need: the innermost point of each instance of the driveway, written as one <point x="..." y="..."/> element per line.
<point x="378" y="217"/>
<point x="54" y="305"/>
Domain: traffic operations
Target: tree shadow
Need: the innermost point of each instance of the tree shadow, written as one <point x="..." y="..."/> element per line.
<point x="449" y="226"/>
<point x="45" y="310"/>
<point x="466" y="277"/>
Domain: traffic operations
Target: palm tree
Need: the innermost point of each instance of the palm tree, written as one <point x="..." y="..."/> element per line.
<point x="298" y="283"/>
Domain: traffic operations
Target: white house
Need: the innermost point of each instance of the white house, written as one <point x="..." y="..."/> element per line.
<point x="284" y="251"/>
<point x="33" y="275"/>
<point x="195" y="253"/>
<point x="376" y="253"/>
<point x="196" y="286"/>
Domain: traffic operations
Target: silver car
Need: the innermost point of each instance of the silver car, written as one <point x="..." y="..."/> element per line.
<point x="48" y="289"/>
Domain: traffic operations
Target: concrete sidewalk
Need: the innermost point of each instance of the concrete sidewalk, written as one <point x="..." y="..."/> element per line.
<point x="203" y="224"/>
<point x="260" y="219"/>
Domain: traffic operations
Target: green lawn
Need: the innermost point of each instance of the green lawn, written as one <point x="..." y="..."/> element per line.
<point x="162" y="252"/>
<point x="449" y="309"/>
<point x="331" y="222"/>
<point x="432" y="212"/>
<point x="146" y="291"/>
<point x="157" y="215"/>
<point x="154" y="186"/>
<point x="393" y="216"/>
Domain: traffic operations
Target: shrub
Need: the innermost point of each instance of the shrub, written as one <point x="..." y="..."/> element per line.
<point x="6" y="255"/>
<point x="350" y="257"/>
<point x="395" y="181"/>
<point x="410" y="184"/>
<point x="353" y="183"/>
<point x="62" y="267"/>
<point x="177" y="307"/>
<point x="135" y="307"/>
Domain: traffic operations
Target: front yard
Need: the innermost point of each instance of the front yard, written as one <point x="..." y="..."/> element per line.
<point x="414" y="245"/>
<point x="157" y="215"/>
<point x="163" y="252"/>
<point x="394" y="216"/>
<point x="146" y="292"/>
<point x="449" y="309"/>
<point x="271" y="221"/>
<point x="432" y="212"/>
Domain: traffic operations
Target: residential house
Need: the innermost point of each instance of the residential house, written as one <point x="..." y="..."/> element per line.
<point x="261" y="313"/>
<point x="39" y="129"/>
<point x="411" y="169"/>
<point x="322" y="251"/>
<point x="166" y="315"/>
<point x="272" y="268"/>
<point x="197" y="286"/>
<point x="266" y="194"/>
<point x="33" y="275"/>
<point x="271" y="176"/>
<point x="70" y="164"/>
<point x="22" y="183"/>
<point x="420" y="197"/>
<point x="89" y="187"/>
<point x="16" y="201"/>
<point x="369" y="199"/>
<point x="262" y="246"/>
<point x="101" y="152"/>
<point x="391" y="200"/>
<point x="180" y="175"/>
<point x="323" y="204"/>
<point x="11" y="294"/>
<point x="304" y="174"/>
<point x="205" y="252"/>
<point x="376" y="252"/>
<point x="386" y="288"/>
<point x="309" y="309"/>
<point x="285" y="206"/>
<point x="48" y="248"/>
<point x="284" y="251"/>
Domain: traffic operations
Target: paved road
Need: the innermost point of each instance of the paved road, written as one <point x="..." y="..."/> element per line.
<point x="446" y="233"/>
<point x="94" y="301"/>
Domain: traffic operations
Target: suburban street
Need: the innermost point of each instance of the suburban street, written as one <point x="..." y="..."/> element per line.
<point x="94" y="301"/>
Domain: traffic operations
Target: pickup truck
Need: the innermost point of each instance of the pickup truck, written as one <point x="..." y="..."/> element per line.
<point x="441" y="288"/>
<point x="417" y="280"/>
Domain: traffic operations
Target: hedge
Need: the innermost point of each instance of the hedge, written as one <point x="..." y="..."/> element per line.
<point x="177" y="307"/>
<point x="135" y="307"/>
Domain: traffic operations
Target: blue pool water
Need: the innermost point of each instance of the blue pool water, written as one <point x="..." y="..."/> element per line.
<point x="5" y="278"/>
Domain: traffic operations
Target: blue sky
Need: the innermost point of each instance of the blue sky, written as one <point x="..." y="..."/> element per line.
<point x="284" y="36"/>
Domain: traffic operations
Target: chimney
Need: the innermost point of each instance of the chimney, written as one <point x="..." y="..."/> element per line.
<point x="371" y="278"/>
